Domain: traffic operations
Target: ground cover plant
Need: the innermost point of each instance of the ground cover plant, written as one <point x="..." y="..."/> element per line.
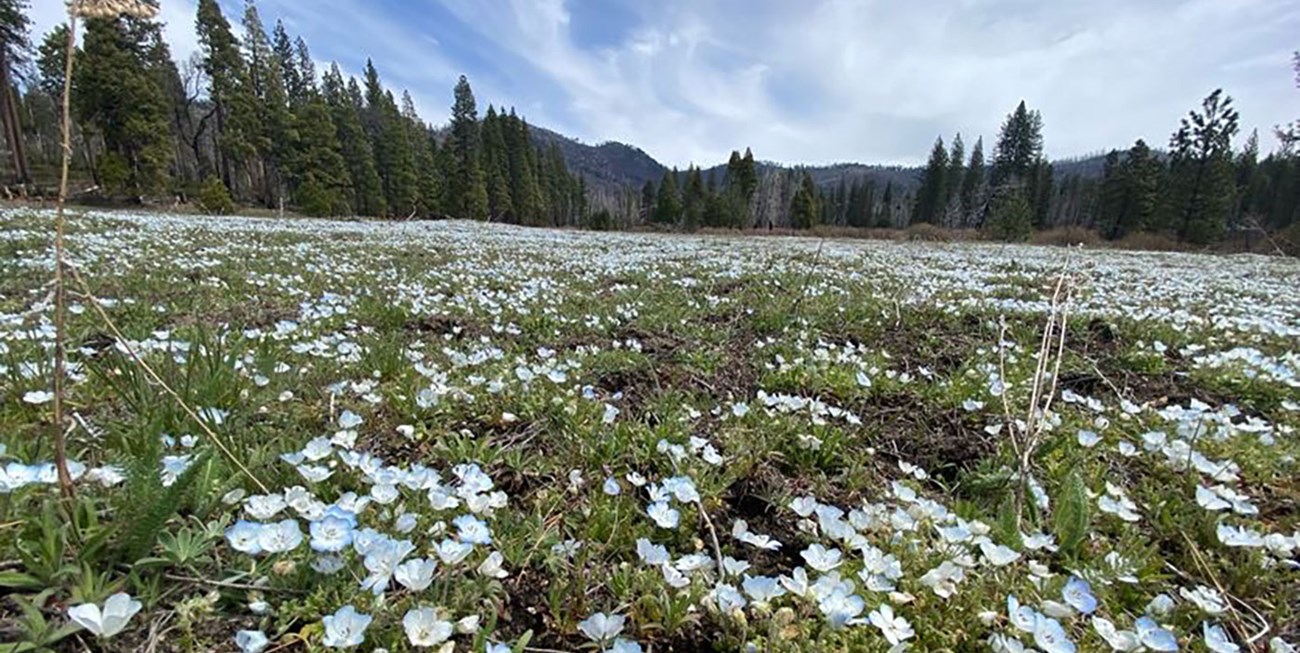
<point x="465" y="436"/>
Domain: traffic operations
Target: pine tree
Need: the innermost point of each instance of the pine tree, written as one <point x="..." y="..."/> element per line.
<point x="118" y="93"/>
<point x="228" y="89"/>
<point x="647" y="200"/>
<point x="294" y="85"/>
<point x="1143" y="172"/>
<point x="693" y="200"/>
<point x="1011" y="215"/>
<point x="324" y="186"/>
<point x="1019" y="148"/>
<point x="277" y="135"/>
<point x="930" y="198"/>
<point x="467" y="187"/>
<point x="345" y="110"/>
<point x="1040" y="193"/>
<point x="1111" y="196"/>
<point x="972" y="185"/>
<point x="805" y="207"/>
<point x="15" y="48"/>
<point x="496" y="167"/>
<point x="1202" y="187"/>
<point x="952" y="210"/>
<point x="668" y="207"/>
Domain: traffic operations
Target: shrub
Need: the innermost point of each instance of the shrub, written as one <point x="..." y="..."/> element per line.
<point x="214" y="198"/>
<point x="1011" y="218"/>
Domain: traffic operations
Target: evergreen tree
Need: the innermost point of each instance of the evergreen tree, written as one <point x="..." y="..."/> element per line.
<point x="668" y="207"/>
<point x="647" y="200"/>
<point x="467" y="188"/>
<point x="805" y="207"/>
<point x="931" y="197"/>
<point x="1040" y="193"/>
<point x="972" y="184"/>
<point x="1201" y="185"/>
<point x="345" y="110"/>
<point x="228" y="90"/>
<point x="1111" y="197"/>
<point x="496" y="167"/>
<point x="693" y="199"/>
<point x="306" y="67"/>
<point x="118" y="94"/>
<point x="323" y="186"/>
<point x="15" y="49"/>
<point x="1011" y="215"/>
<point x="885" y="219"/>
<point x="1143" y="172"/>
<point x="276" y="137"/>
<point x="953" y="178"/>
<point x="294" y="85"/>
<point x="1019" y="149"/>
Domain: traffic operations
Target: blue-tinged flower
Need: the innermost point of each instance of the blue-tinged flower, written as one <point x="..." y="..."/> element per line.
<point x="727" y="598"/>
<point x="281" y="536"/>
<point x="1022" y="617"/>
<point x="345" y="628"/>
<point x="651" y="554"/>
<point x="424" y="628"/>
<point x="245" y="537"/>
<point x="382" y="560"/>
<point x="612" y="487"/>
<point x="1050" y="636"/>
<point x="663" y="515"/>
<point x="621" y="645"/>
<point x="840" y="607"/>
<point x="821" y="558"/>
<point x="416" y="574"/>
<point x="452" y="552"/>
<point x="601" y="627"/>
<point x="1217" y="640"/>
<point x="117" y="611"/>
<point x="251" y="641"/>
<point x="1119" y="640"/>
<point x="331" y="534"/>
<point x="1152" y="636"/>
<point x="895" y="628"/>
<point x="472" y="530"/>
<point x="1078" y="593"/>
<point x="762" y="588"/>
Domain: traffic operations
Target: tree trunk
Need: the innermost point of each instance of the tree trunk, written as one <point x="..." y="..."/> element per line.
<point x="13" y="131"/>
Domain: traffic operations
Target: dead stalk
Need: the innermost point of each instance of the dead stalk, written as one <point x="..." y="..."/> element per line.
<point x="1051" y="353"/>
<point x="60" y="329"/>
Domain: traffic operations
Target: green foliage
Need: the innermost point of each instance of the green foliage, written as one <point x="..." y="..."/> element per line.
<point x="1011" y="218"/>
<point x="214" y="198"/>
<point x="144" y="505"/>
<point x="805" y="207"/>
<point x="467" y="195"/>
<point x="932" y="196"/>
<point x="1072" y="518"/>
<point x="600" y="220"/>
<point x="1202" y="189"/>
<point x="668" y="206"/>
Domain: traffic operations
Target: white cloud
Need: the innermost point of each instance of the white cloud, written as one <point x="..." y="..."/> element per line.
<point x="817" y="81"/>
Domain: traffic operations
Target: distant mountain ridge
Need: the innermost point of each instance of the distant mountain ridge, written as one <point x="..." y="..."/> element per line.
<point x="613" y="165"/>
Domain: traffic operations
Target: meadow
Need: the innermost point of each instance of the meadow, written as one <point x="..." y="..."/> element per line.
<point x="314" y="435"/>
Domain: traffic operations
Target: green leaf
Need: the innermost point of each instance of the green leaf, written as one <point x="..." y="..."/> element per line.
<point x="19" y="581"/>
<point x="1072" y="516"/>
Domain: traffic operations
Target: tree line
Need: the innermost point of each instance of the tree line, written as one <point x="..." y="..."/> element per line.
<point x="250" y="121"/>
<point x="1200" y="190"/>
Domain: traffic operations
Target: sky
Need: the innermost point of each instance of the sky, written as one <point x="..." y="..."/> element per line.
<point x="808" y="81"/>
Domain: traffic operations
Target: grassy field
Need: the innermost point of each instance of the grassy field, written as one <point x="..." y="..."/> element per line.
<point x="479" y="437"/>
